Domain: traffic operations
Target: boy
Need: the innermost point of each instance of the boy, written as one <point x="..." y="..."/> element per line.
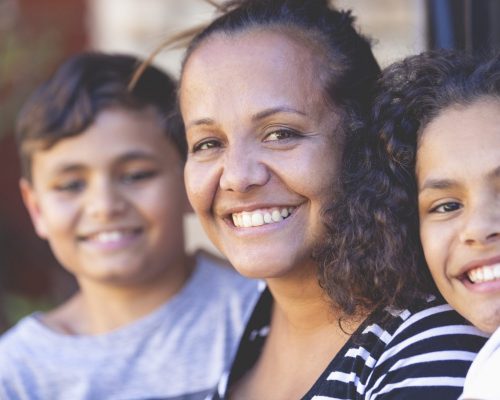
<point x="103" y="183"/>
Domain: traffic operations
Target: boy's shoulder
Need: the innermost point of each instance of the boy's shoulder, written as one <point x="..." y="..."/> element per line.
<point x="215" y="280"/>
<point x="21" y="341"/>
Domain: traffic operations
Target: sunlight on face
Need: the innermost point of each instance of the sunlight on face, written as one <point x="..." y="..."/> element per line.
<point x="263" y="149"/>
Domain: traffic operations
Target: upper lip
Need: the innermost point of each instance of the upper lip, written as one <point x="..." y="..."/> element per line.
<point x="228" y="211"/>
<point x="478" y="263"/>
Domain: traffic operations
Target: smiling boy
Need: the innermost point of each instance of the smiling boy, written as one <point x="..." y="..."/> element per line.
<point x="103" y="183"/>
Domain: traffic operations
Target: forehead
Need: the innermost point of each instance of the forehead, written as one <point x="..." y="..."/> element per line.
<point x="251" y="62"/>
<point x="462" y="140"/>
<point x="114" y="133"/>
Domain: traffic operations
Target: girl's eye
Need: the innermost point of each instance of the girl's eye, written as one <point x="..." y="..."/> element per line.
<point x="70" y="186"/>
<point x="446" y="207"/>
<point x="137" y="176"/>
<point x="280" y="134"/>
<point x="207" y="144"/>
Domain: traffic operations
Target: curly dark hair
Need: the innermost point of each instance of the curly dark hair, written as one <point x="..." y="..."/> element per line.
<point x="374" y="231"/>
<point x="84" y="85"/>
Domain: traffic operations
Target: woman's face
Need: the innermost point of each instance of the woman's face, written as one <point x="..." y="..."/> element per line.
<point x="263" y="149"/>
<point x="458" y="174"/>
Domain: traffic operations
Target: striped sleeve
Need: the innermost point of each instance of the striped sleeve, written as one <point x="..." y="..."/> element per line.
<point x="427" y="357"/>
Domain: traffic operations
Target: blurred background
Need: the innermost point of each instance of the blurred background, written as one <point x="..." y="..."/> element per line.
<point x="35" y="36"/>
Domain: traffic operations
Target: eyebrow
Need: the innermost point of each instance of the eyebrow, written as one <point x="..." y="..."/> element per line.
<point x="129" y="156"/>
<point x="135" y="155"/>
<point x="255" y="117"/>
<point x="495" y="173"/>
<point x="440" y="184"/>
<point x="276" y="110"/>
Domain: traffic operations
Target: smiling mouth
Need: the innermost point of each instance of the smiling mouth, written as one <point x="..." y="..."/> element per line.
<point x="111" y="236"/>
<point x="485" y="273"/>
<point x="248" y="219"/>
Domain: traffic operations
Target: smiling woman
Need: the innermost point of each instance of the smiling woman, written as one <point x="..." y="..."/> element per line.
<point x="274" y="96"/>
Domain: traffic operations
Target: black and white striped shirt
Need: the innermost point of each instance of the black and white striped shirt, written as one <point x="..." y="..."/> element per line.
<point x="419" y="354"/>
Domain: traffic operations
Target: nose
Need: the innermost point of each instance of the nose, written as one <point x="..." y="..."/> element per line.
<point x="104" y="201"/>
<point x="243" y="169"/>
<point x="482" y="224"/>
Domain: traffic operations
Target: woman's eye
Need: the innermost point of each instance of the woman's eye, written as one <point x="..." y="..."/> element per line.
<point x="206" y="145"/>
<point x="137" y="176"/>
<point x="446" y="207"/>
<point x="280" y="134"/>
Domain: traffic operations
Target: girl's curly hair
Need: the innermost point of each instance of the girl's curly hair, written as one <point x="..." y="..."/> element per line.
<point x="372" y="256"/>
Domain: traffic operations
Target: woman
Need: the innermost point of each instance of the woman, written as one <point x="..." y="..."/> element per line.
<point x="270" y="93"/>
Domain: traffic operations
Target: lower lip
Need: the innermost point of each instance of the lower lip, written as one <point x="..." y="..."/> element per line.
<point x="124" y="242"/>
<point x="482" y="287"/>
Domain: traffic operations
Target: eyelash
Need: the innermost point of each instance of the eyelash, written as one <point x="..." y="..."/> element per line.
<point x="140" y="175"/>
<point x="210" y="143"/>
<point x="288" y="133"/>
<point x="456" y="206"/>
<point x="70" y="187"/>
<point x="207" y="143"/>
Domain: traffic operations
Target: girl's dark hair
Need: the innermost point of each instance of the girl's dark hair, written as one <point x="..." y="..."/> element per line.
<point x="375" y="233"/>
<point x="83" y="86"/>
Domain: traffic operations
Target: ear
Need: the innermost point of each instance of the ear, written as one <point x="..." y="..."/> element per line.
<point x="31" y="202"/>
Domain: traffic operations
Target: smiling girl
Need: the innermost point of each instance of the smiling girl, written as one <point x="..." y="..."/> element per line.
<point x="437" y="124"/>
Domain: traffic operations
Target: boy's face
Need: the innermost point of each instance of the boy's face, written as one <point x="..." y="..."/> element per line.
<point x="110" y="201"/>
<point x="458" y="174"/>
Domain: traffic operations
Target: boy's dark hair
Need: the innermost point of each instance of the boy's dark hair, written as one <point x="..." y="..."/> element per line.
<point x="82" y="87"/>
<point x="380" y="179"/>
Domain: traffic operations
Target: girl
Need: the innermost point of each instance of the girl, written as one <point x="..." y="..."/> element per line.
<point x="437" y="125"/>
<point x="271" y="93"/>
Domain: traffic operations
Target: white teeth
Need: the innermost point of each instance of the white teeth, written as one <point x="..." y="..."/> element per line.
<point x="267" y="218"/>
<point x="107" y="237"/>
<point x="247" y="220"/>
<point x="260" y="217"/>
<point x="485" y="273"/>
<point x="257" y="219"/>
<point x="276" y="216"/>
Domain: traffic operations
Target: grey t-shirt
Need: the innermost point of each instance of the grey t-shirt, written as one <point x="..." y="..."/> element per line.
<point x="177" y="352"/>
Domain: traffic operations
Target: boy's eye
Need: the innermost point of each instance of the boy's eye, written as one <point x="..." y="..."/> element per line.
<point x="280" y="134"/>
<point x="137" y="176"/>
<point x="446" y="207"/>
<point x="73" y="186"/>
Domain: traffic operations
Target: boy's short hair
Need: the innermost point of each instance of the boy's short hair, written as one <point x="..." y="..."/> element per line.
<point x="84" y="86"/>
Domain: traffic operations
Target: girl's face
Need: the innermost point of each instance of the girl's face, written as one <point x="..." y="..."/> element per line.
<point x="263" y="151"/>
<point x="458" y="174"/>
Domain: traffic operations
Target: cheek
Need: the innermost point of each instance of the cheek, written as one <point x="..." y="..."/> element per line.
<point x="433" y="245"/>
<point x="58" y="215"/>
<point x="201" y="182"/>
